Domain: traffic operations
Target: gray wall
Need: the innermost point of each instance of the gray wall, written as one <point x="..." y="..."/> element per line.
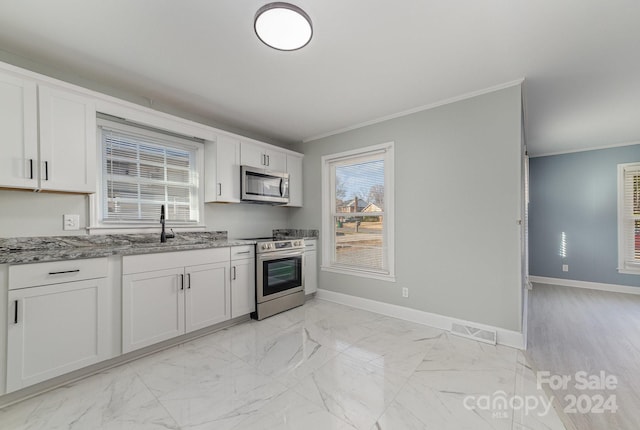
<point x="458" y="199"/>
<point x="577" y="194"/>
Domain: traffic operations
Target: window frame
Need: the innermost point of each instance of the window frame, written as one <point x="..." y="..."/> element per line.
<point x="624" y="265"/>
<point x="327" y="208"/>
<point x="99" y="226"/>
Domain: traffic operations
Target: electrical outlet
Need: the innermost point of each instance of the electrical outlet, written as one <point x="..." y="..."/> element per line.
<point x="565" y="267"/>
<point x="405" y="292"/>
<point x="71" y="222"/>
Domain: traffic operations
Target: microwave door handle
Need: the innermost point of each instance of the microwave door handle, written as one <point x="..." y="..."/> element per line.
<point x="281" y="182"/>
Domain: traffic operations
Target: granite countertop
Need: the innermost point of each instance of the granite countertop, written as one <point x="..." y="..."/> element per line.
<point x="24" y="250"/>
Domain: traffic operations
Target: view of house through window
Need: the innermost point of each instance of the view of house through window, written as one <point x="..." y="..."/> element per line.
<point x="359" y="204"/>
<point x="358" y="195"/>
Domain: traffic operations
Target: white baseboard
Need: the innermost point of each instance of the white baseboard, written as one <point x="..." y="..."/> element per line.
<point x="505" y="337"/>
<point x="613" y="288"/>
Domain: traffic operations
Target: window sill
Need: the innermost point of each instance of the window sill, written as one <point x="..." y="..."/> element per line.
<point x="629" y="271"/>
<point x="359" y="273"/>
<point x="124" y="229"/>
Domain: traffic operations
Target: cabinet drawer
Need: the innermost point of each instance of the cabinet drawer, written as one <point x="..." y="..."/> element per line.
<point x="310" y="244"/>
<point x="56" y="272"/>
<point x="172" y="260"/>
<point x="243" y="252"/>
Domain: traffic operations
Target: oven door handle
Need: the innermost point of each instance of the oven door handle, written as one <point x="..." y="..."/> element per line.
<point x="277" y="255"/>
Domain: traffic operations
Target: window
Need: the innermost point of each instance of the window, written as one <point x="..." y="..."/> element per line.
<point x="357" y="208"/>
<point x="140" y="170"/>
<point x="629" y="218"/>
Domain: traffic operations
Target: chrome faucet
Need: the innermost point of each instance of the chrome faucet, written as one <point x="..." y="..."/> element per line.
<point x="163" y="235"/>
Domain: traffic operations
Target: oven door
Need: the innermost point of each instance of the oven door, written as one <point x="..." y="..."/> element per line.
<point x="279" y="274"/>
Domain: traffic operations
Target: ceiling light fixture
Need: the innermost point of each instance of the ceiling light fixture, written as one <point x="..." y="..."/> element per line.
<point x="283" y="26"/>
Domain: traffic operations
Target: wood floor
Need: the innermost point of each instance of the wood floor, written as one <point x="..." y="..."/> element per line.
<point x="573" y="330"/>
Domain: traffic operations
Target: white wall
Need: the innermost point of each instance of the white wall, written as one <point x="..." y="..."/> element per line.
<point x="25" y="213"/>
<point x="458" y="199"/>
<point x="245" y="220"/>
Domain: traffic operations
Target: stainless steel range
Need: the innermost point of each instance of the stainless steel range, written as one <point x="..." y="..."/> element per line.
<point x="279" y="276"/>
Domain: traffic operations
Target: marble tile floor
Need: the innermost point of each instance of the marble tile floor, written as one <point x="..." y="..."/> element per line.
<point x="321" y="366"/>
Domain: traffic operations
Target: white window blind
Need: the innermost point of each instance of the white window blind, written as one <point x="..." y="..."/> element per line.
<point x="141" y="173"/>
<point x="359" y="212"/>
<point x="631" y="215"/>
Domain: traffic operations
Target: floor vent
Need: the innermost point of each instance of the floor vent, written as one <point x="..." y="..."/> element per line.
<point x="475" y="333"/>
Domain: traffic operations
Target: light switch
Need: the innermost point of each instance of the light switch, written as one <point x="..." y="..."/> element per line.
<point x="71" y="222"/>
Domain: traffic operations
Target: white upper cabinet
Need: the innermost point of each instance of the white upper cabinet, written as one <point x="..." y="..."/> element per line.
<point x="65" y="157"/>
<point x="262" y="157"/>
<point x="222" y="170"/>
<point x="67" y="141"/>
<point x="18" y="132"/>
<point x="294" y="169"/>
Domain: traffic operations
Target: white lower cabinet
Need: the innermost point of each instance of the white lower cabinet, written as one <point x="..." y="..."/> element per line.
<point x="310" y="266"/>
<point x="243" y="281"/>
<point x="159" y="304"/>
<point x="55" y="329"/>
<point x="207" y="295"/>
<point x="152" y="308"/>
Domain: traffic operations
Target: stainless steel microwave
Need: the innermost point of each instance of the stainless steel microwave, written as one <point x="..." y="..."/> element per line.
<point x="264" y="186"/>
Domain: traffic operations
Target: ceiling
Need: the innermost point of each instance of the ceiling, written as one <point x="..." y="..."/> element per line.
<point x="367" y="60"/>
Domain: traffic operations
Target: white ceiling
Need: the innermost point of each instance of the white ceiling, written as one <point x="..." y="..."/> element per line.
<point x="368" y="59"/>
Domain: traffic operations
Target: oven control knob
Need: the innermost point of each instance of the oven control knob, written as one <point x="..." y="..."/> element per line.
<point x="265" y="246"/>
<point x="297" y="243"/>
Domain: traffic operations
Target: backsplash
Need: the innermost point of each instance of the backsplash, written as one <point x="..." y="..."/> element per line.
<point x="283" y="233"/>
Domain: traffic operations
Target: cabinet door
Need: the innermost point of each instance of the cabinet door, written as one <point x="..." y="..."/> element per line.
<point x="207" y="295"/>
<point x="252" y="155"/>
<point x="310" y="272"/>
<point x="226" y="187"/>
<point x="67" y="141"/>
<point x="152" y="307"/>
<point x="276" y="161"/>
<point x="243" y="287"/>
<point x="294" y="169"/>
<point x="57" y="329"/>
<point x="18" y="133"/>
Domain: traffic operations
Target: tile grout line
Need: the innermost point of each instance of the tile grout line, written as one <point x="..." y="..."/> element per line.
<point x="178" y="425"/>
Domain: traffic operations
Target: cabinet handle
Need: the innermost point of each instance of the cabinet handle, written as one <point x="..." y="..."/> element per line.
<point x="268" y="160"/>
<point x="264" y="160"/>
<point x="189" y="280"/>
<point x="181" y="281"/>
<point x="234" y="273"/>
<point x="46" y="170"/>
<point x="30" y="168"/>
<point x="243" y="252"/>
<point x="15" y="313"/>
<point x="219" y="188"/>
<point x="64" y="271"/>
